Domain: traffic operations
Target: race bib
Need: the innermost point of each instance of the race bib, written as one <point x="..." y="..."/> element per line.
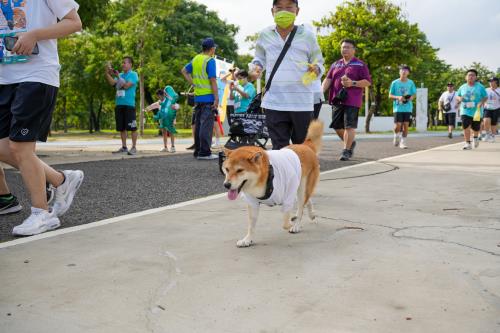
<point x="470" y="105"/>
<point x="120" y="93"/>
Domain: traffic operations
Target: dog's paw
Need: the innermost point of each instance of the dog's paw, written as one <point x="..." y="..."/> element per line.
<point x="245" y="242"/>
<point x="295" y="229"/>
<point x="287" y="225"/>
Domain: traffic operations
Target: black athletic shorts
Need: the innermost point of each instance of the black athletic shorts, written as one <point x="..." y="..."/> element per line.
<point x="450" y="118"/>
<point x="344" y="116"/>
<point x="469" y="121"/>
<point x="493" y="115"/>
<point x="402" y="117"/>
<point x="26" y="111"/>
<point x="193" y="117"/>
<point x="317" y="110"/>
<point x="126" y="119"/>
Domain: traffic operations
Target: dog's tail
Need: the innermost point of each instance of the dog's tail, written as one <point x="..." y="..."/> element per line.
<point x="314" y="136"/>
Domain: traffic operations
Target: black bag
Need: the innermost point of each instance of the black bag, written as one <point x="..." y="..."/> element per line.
<point x="257" y="100"/>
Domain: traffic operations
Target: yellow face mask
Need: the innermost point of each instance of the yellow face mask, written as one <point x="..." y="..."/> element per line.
<point x="284" y="19"/>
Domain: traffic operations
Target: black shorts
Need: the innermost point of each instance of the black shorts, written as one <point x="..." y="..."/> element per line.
<point x="493" y="115"/>
<point x="402" y="117"/>
<point x="26" y="111"/>
<point x="344" y="116"/>
<point x="469" y="121"/>
<point x="126" y="119"/>
<point x="317" y="110"/>
<point x="450" y="118"/>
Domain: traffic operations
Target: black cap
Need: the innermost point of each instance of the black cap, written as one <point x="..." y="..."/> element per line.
<point x="275" y="1"/>
<point x="405" y="67"/>
<point x="208" y="43"/>
<point x="450" y="84"/>
<point x="494" y="79"/>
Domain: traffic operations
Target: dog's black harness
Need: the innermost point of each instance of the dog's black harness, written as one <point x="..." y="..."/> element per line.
<point x="269" y="185"/>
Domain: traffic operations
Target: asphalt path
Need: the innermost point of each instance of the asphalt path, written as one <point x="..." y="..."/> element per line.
<point x="118" y="187"/>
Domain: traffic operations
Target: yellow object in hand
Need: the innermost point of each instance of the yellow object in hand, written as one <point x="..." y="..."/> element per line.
<point x="309" y="78"/>
<point x="477" y="115"/>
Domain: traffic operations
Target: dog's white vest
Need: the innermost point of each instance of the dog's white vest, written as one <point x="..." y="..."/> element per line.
<point x="287" y="174"/>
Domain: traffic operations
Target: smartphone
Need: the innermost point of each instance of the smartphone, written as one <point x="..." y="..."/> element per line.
<point x="11" y="41"/>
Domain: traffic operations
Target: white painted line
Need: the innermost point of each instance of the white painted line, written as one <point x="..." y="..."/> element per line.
<point x="122" y="218"/>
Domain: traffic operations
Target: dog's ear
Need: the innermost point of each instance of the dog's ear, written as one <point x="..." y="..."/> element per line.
<point x="227" y="152"/>
<point x="256" y="157"/>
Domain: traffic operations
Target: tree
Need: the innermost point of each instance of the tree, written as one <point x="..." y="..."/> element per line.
<point x="385" y="40"/>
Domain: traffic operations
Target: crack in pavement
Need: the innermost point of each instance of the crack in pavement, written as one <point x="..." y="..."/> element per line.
<point x="395" y="231"/>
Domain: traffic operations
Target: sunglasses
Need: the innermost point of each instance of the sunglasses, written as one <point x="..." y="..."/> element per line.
<point x="10" y="42"/>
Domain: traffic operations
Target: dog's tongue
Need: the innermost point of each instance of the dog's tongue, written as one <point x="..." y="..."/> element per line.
<point x="232" y="194"/>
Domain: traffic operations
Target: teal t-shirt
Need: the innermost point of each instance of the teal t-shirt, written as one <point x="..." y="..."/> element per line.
<point x="127" y="96"/>
<point x="400" y="88"/>
<point x="471" y="98"/>
<point x="242" y="104"/>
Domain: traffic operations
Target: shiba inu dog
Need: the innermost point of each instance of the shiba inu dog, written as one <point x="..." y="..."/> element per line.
<point x="280" y="177"/>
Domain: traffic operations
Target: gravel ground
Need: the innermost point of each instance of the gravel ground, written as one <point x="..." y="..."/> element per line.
<point x="118" y="187"/>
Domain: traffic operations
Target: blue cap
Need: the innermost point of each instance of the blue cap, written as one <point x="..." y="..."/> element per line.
<point x="208" y="43"/>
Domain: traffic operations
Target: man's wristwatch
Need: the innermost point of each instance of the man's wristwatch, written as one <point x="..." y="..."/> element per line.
<point x="354" y="83"/>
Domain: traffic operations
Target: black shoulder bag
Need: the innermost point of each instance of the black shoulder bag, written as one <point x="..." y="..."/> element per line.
<point x="257" y="100"/>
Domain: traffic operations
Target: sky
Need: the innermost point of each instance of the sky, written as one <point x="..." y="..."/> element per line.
<point x="464" y="30"/>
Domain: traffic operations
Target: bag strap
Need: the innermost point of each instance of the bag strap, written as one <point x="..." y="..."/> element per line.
<point x="495" y="91"/>
<point x="281" y="57"/>
<point x="452" y="97"/>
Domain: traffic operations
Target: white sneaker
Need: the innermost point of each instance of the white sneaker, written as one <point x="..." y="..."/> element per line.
<point x="66" y="192"/>
<point x="396" y="140"/>
<point x="209" y="157"/>
<point x="172" y="149"/>
<point x="164" y="150"/>
<point x="476" y="143"/>
<point x="490" y="138"/>
<point x="39" y="221"/>
<point x="402" y="144"/>
<point x="467" y="146"/>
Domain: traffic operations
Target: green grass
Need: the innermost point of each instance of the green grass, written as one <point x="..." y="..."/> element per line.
<point x="108" y="134"/>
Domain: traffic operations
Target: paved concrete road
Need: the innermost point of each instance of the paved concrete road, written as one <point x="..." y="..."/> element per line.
<point x="412" y="250"/>
<point x="126" y="185"/>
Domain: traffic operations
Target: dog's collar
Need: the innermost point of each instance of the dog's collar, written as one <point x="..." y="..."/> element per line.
<point x="269" y="185"/>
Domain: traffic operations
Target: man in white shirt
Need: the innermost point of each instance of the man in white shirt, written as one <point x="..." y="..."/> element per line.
<point x="448" y="104"/>
<point x="289" y="104"/>
<point x="492" y="110"/>
<point x="28" y="93"/>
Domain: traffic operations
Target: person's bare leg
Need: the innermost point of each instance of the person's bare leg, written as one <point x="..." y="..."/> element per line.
<point x="165" y="137"/>
<point x="172" y="139"/>
<point x="123" y="135"/>
<point x="32" y="172"/>
<point x="487" y="125"/>
<point x="406" y="125"/>
<point x="53" y="176"/>
<point x="4" y="189"/>
<point x="340" y="133"/>
<point x="349" y="135"/>
<point x="467" y="134"/>
<point x="134" y="138"/>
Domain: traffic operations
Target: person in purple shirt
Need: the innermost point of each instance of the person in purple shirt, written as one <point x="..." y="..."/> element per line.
<point x="346" y="81"/>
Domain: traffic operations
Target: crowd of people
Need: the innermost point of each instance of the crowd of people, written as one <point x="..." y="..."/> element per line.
<point x="293" y="64"/>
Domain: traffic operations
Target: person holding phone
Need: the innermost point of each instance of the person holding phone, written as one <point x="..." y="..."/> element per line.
<point x="27" y="99"/>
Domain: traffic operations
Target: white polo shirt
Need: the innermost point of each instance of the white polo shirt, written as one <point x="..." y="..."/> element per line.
<point x="287" y="92"/>
<point x="493" y="102"/>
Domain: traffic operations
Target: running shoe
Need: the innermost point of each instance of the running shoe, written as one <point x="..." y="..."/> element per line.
<point x="66" y="192"/>
<point x="39" y="221"/>
<point x="9" y="205"/>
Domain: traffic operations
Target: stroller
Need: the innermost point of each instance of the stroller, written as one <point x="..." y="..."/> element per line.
<point x="246" y="129"/>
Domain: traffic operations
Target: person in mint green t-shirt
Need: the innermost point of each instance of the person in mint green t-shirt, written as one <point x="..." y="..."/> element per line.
<point x="402" y="92"/>
<point x="125" y="84"/>
<point x="472" y="96"/>
<point x="243" y="93"/>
